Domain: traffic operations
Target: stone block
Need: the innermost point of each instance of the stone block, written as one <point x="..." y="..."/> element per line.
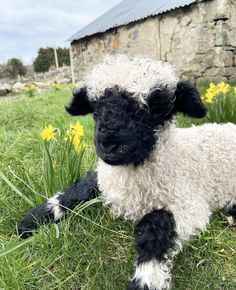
<point x="205" y="60"/>
<point x="5" y="89"/>
<point x="221" y="36"/>
<point x="230" y="72"/>
<point x="208" y="79"/>
<point x="213" y="72"/>
<point x="234" y="61"/>
<point x="223" y="58"/>
<point x="18" y="87"/>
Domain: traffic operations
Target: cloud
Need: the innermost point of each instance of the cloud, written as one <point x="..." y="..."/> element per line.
<point x="27" y="25"/>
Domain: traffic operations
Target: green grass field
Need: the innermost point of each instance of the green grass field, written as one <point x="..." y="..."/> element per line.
<point x="89" y="250"/>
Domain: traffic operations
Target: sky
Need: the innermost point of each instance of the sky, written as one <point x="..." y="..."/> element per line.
<point x="27" y="25"/>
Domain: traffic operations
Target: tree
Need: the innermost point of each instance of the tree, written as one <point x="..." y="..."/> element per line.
<point x="14" y="67"/>
<point x="45" y="58"/>
<point x="63" y="56"/>
<point x="2" y="71"/>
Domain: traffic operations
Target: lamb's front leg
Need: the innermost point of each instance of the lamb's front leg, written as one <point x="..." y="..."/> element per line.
<point x="157" y="244"/>
<point x="57" y="206"/>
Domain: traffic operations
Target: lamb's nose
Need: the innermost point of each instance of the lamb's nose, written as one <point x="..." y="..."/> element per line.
<point x="108" y="148"/>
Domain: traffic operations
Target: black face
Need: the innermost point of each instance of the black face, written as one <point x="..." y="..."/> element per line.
<point x="126" y="131"/>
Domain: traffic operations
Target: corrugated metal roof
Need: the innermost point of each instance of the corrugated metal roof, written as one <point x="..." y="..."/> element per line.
<point x="126" y="12"/>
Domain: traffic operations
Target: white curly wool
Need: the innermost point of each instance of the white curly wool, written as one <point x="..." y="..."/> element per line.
<point x="54" y="204"/>
<point x="136" y="75"/>
<point x="191" y="172"/>
<point x="153" y="274"/>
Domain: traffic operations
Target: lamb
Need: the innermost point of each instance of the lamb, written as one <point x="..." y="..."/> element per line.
<point x="166" y="179"/>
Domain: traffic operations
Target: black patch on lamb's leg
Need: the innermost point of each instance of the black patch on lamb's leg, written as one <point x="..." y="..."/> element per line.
<point x="232" y="211"/>
<point x="59" y="204"/>
<point x="135" y="285"/>
<point x="39" y="215"/>
<point x="155" y="237"/>
<point x="83" y="190"/>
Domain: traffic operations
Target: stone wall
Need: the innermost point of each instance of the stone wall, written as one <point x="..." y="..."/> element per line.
<point x="62" y="75"/>
<point x="199" y="40"/>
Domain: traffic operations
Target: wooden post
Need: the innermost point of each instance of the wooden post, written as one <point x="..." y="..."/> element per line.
<point x="56" y="58"/>
<point x="72" y="66"/>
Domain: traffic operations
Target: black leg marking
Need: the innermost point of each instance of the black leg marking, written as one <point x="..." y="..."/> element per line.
<point x="232" y="211"/>
<point x="135" y="285"/>
<point x="57" y="206"/>
<point x="155" y="237"/>
<point x="83" y="190"/>
<point x="40" y="215"/>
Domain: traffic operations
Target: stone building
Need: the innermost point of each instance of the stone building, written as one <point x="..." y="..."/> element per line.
<point x="197" y="37"/>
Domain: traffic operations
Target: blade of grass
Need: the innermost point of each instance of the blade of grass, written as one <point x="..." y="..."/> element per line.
<point x="50" y="172"/>
<point x="17" y="191"/>
<point x="15" y="246"/>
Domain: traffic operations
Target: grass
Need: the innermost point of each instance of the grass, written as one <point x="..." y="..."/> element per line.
<point x="90" y="249"/>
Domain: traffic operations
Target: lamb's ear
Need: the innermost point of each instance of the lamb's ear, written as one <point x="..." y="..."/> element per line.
<point x="188" y="101"/>
<point x="80" y="104"/>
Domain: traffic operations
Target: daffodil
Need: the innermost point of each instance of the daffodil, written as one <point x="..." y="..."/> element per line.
<point x="49" y="133"/>
<point x="56" y="86"/>
<point x="211" y="93"/>
<point x="78" y="143"/>
<point x="223" y="88"/>
<point x="74" y="134"/>
<point x="33" y="87"/>
<point x="209" y="97"/>
<point x="78" y="129"/>
<point x="75" y="130"/>
<point x="26" y="88"/>
<point x="235" y="90"/>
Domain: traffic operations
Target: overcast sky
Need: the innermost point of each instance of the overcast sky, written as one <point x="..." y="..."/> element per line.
<point x="26" y="25"/>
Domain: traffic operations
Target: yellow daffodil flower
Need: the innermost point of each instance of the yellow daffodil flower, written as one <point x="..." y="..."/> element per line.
<point x="78" y="144"/>
<point x="223" y="88"/>
<point x="211" y="93"/>
<point x="30" y="88"/>
<point x="235" y="90"/>
<point x="209" y="97"/>
<point x="214" y="90"/>
<point x="34" y="87"/>
<point x="56" y="86"/>
<point x="75" y="130"/>
<point x="74" y="134"/>
<point x="78" y="129"/>
<point x="49" y="133"/>
<point x="26" y="89"/>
